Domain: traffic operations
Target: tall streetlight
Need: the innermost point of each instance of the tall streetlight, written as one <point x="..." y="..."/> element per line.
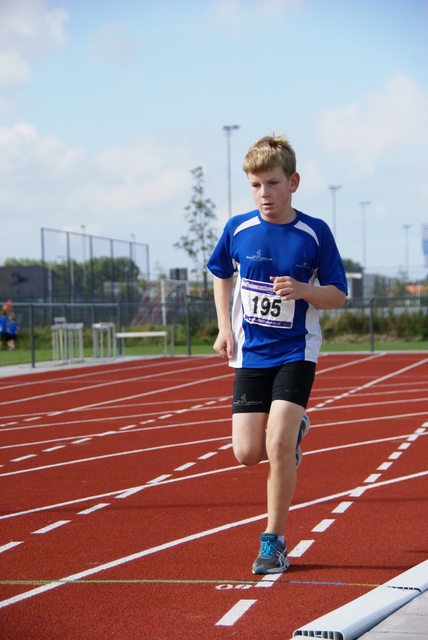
<point x="228" y="129"/>
<point x="84" y="257"/>
<point x="363" y="205"/>
<point x="406" y="228"/>
<point x="334" y="188"/>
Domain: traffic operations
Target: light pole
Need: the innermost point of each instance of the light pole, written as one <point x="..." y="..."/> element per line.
<point x="84" y="257"/>
<point x="334" y="188"/>
<point x="363" y="205"/>
<point x="406" y="228"/>
<point x="228" y="129"/>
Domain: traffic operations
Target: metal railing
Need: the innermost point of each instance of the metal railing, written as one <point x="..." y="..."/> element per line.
<point x="368" y="315"/>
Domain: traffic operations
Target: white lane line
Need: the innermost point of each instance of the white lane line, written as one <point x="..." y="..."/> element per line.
<point x="356" y="493"/>
<point x="208" y="455"/>
<point x="323" y="525"/>
<point x="300" y="549"/>
<point x="52" y="526"/>
<point x="404" y="446"/>
<point x="268" y="580"/>
<point x="347" y="492"/>
<point x="96" y="507"/>
<point x="114" y="455"/>
<point x="384" y="466"/>
<point x="226" y="446"/>
<point x="395" y="455"/>
<point x="173" y="543"/>
<point x="159" y="478"/>
<point x="130" y="492"/>
<point x="342" y="507"/>
<point x="60" y="446"/>
<point x="129" y="426"/>
<point x="140" y="378"/>
<point x="8" y="546"/>
<point x="236" y="612"/>
<point x="372" y="478"/>
<point x="31" y="455"/>
<point x="185" y="466"/>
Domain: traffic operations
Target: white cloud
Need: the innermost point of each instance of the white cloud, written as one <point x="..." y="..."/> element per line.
<point x="27" y="29"/>
<point x="13" y="68"/>
<point x="392" y="117"/>
<point x="141" y="175"/>
<point x="22" y="151"/>
<point x="53" y="183"/>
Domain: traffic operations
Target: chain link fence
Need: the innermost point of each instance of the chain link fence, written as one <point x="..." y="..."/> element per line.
<point x="403" y="318"/>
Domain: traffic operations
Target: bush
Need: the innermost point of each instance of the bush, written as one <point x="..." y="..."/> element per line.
<point x="389" y="322"/>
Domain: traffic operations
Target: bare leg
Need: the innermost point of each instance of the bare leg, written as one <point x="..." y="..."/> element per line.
<point x="249" y="437"/>
<point x="282" y="432"/>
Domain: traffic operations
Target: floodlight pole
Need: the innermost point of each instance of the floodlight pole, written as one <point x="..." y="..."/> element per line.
<point x="363" y="205"/>
<point x="334" y="188"/>
<point x="228" y="129"/>
<point x="406" y="228"/>
<point x="84" y="258"/>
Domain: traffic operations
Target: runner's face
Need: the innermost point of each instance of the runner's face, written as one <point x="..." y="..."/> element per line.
<point x="272" y="194"/>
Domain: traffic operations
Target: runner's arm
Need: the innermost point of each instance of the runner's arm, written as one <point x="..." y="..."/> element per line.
<point x="222" y="293"/>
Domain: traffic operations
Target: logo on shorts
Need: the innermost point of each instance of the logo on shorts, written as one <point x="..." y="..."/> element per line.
<point x="243" y="402"/>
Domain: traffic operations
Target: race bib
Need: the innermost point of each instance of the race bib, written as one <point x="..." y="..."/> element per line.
<point x="262" y="306"/>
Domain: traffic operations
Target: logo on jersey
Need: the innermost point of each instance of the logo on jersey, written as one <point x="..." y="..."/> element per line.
<point x="258" y="257"/>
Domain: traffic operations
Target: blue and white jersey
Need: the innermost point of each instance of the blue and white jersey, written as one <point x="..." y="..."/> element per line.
<point x="268" y="331"/>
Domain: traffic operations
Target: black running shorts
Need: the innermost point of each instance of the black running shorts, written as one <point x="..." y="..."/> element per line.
<point x="254" y="389"/>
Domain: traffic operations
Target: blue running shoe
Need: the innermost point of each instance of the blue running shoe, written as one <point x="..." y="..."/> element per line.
<point x="272" y="556"/>
<point x="303" y="430"/>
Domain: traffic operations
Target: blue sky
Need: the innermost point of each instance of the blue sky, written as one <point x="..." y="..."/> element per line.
<point x="107" y="106"/>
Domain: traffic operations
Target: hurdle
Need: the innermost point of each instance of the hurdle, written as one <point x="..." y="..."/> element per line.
<point x="101" y="331"/>
<point x="67" y="342"/>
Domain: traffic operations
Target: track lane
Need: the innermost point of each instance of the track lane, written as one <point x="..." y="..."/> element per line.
<point x="222" y="493"/>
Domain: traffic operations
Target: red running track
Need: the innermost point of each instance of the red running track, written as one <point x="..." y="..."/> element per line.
<point x="125" y="515"/>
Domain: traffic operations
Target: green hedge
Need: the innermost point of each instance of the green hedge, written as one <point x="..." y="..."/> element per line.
<point x="404" y="325"/>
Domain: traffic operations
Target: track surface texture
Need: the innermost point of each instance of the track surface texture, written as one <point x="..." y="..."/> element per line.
<point x="124" y="513"/>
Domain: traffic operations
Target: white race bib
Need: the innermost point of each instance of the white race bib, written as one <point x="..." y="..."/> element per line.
<point x="262" y="306"/>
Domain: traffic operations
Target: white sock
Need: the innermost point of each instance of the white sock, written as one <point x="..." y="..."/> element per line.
<point x="281" y="539"/>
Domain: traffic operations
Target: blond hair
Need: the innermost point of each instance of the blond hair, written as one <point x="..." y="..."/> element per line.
<point x="270" y="152"/>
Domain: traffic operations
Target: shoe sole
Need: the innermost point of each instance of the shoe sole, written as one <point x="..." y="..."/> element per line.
<point x="261" y="571"/>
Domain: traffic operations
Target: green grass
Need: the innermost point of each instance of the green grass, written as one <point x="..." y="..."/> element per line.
<point x="23" y="356"/>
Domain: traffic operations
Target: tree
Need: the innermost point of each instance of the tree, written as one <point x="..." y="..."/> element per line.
<point x="201" y="237"/>
<point x="351" y="266"/>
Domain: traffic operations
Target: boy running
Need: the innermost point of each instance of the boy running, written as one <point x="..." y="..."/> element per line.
<point x="274" y="337"/>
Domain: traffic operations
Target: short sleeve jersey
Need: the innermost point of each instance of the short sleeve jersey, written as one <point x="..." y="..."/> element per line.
<point x="268" y="331"/>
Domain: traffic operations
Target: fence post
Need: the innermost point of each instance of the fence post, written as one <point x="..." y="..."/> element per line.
<point x="371" y="325"/>
<point x="31" y="319"/>
<point x="189" y="344"/>
<point x="120" y="329"/>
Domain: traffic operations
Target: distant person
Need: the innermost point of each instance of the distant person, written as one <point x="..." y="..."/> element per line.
<point x="274" y="338"/>
<point x="12" y="332"/>
<point x="8" y="306"/>
<point x="4" y="328"/>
